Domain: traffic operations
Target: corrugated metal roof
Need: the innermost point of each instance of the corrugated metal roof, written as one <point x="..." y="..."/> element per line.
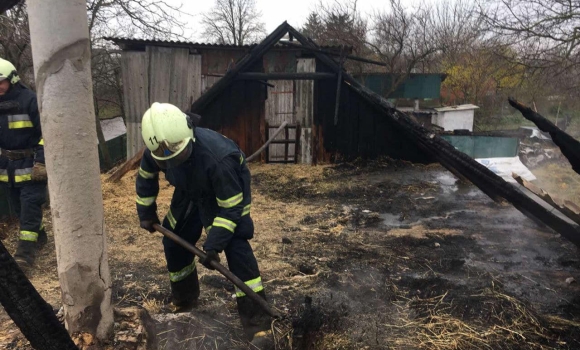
<point x="193" y="45"/>
<point x="135" y="41"/>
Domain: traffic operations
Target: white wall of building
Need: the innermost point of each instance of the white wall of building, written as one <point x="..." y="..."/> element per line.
<point x="455" y="118"/>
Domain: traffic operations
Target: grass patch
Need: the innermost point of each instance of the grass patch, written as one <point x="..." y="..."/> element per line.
<point x="559" y="179"/>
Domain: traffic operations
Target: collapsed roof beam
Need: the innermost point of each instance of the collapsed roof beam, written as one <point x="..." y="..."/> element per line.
<point x="332" y="53"/>
<point x="244" y="64"/>
<point x="452" y="159"/>
<point x="569" y="146"/>
<point x="490" y="183"/>
<point x="285" y="76"/>
<point x="322" y="56"/>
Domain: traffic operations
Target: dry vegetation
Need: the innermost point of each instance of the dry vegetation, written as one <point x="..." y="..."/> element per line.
<point x="445" y="274"/>
<point x="559" y="179"/>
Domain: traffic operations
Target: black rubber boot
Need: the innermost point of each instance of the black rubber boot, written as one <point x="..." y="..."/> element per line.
<point x="42" y="239"/>
<point x="254" y="319"/>
<point x="25" y="254"/>
<point x="185" y="293"/>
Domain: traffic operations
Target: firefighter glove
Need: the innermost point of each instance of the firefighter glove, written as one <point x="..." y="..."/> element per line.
<point x="210" y="255"/>
<point x="38" y="172"/>
<point x="148" y="224"/>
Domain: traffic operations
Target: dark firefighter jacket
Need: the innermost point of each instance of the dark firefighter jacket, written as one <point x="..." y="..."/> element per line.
<point x="19" y="130"/>
<point x="215" y="177"/>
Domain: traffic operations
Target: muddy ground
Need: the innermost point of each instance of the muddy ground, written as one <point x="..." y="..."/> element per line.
<point x="380" y="255"/>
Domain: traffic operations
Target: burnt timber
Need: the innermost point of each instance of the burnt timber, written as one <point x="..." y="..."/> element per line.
<point x="569" y="146"/>
<point x="285" y="76"/>
<point x="429" y="143"/>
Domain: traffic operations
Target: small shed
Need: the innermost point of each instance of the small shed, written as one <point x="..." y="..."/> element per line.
<point x="455" y="117"/>
<point x="246" y="92"/>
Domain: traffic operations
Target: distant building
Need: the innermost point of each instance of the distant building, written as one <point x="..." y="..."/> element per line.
<point x="455" y="117"/>
<point x="113" y="128"/>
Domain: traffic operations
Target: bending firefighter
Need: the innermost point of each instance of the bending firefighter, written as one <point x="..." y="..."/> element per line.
<point x="212" y="190"/>
<point x="22" y="171"/>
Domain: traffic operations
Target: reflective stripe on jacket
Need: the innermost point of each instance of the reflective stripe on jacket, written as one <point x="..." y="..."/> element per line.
<point x="216" y="177"/>
<point x="19" y="130"/>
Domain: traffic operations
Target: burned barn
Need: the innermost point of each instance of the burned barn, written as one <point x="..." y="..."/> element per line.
<point x="276" y="81"/>
<point x="334" y="114"/>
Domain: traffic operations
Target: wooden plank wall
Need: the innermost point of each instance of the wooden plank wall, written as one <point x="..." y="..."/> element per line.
<point x="361" y="131"/>
<point x="207" y="82"/>
<point x="304" y="104"/>
<point x="160" y="74"/>
<point x="135" y="77"/>
<point x="238" y="113"/>
<point x="194" y="76"/>
<point x="179" y="90"/>
<point x="280" y="108"/>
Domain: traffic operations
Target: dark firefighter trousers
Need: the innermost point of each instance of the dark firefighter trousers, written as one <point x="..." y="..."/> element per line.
<point x="184" y="220"/>
<point x="27" y="201"/>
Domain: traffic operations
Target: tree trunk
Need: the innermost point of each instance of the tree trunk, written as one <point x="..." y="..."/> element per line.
<point x="61" y="54"/>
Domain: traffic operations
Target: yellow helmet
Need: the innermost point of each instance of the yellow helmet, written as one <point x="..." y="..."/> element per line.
<point x="8" y="71"/>
<point x="168" y="134"/>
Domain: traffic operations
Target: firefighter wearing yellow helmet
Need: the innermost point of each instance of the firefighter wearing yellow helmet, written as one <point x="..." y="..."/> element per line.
<point x="168" y="134"/>
<point x="212" y="190"/>
<point x="22" y="172"/>
<point x="8" y="72"/>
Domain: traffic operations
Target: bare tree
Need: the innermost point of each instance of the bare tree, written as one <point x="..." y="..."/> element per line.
<point x="135" y="18"/>
<point x="15" y="41"/>
<point x="553" y="26"/>
<point x="313" y="28"/>
<point x="236" y="22"/>
<point x="457" y="27"/>
<point x="404" y="39"/>
<point x="545" y="35"/>
<point x="339" y="23"/>
<point x="343" y="24"/>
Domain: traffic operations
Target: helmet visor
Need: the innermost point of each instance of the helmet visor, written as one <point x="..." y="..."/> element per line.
<point x="169" y="155"/>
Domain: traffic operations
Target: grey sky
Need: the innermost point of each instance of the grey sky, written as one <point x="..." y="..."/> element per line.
<point x="275" y="12"/>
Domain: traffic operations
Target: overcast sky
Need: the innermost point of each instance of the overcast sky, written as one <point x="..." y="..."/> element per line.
<point x="274" y="12"/>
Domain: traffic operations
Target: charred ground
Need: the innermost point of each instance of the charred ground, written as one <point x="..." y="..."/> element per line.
<point x="375" y="255"/>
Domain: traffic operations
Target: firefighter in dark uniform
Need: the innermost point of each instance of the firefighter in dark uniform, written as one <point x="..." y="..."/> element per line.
<point x="212" y="191"/>
<point x="22" y="171"/>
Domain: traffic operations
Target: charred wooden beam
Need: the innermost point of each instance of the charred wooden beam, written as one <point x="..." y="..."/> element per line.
<point x="325" y="59"/>
<point x="331" y="53"/>
<point x="338" y="86"/>
<point x="129" y="165"/>
<point x="285" y="76"/>
<point x="440" y="150"/>
<point x="245" y="63"/>
<point x="570" y="209"/>
<point x="483" y="178"/>
<point x="569" y="146"/>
